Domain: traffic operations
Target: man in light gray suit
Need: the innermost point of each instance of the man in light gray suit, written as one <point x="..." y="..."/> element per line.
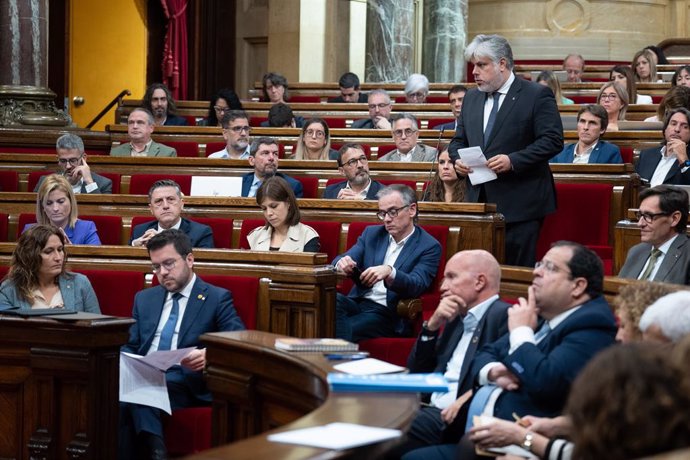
<point x="405" y="131"/>
<point x="140" y="124"/>
<point x="664" y="253"/>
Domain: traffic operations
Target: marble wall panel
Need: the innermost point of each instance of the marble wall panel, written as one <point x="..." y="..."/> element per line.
<point x="390" y="40"/>
<point x="24" y="42"/>
<point x="445" y="35"/>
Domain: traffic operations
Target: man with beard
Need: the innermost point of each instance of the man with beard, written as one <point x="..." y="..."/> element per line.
<point x="668" y="163"/>
<point x="263" y="157"/>
<point x="159" y="101"/>
<point x="353" y="164"/>
<point x="236" y="132"/>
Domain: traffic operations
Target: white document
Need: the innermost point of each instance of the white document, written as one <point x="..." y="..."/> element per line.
<point x="474" y="158"/>
<point x="368" y="366"/>
<point x="336" y="436"/>
<point x="142" y="378"/>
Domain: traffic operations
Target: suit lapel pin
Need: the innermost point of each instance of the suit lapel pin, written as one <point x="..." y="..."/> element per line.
<point x="475" y="339"/>
<point x="201" y="297"/>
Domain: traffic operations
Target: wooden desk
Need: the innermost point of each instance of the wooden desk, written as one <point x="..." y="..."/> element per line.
<point x="258" y="388"/>
<point x="59" y="387"/>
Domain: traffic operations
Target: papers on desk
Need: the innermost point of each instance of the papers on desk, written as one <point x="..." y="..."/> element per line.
<point x="336" y="436"/>
<point x="368" y="366"/>
<point x="474" y="158"/>
<point x="142" y="378"/>
<point x="513" y="449"/>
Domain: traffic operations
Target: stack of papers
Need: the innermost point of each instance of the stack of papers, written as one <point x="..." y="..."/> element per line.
<point x="336" y="436"/>
<point x="294" y="344"/>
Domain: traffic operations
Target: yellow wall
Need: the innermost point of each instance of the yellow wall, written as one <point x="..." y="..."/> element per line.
<point x="107" y="54"/>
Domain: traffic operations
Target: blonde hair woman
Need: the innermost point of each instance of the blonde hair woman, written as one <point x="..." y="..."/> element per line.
<point x="314" y="142"/>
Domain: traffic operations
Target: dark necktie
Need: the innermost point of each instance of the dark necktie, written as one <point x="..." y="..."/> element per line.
<point x="656" y="253"/>
<point x="492" y="116"/>
<point x="169" y="328"/>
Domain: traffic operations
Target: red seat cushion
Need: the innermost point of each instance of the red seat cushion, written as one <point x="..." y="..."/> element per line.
<point x="410" y="183"/>
<point x="141" y="183"/>
<point x="116" y="301"/>
<point x="310" y="185"/>
<point x="434" y="122"/>
<point x="34" y="177"/>
<point x="4" y="221"/>
<point x="213" y="147"/>
<point x="188" y="431"/>
<point x="333" y="122"/>
<point x="247" y="226"/>
<point x="245" y="294"/>
<point x="384" y="149"/>
<point x="222" y="230"/>
<point x="24" y="219"/>
<point x="627" y="154"/>
<point x="109" y="228"/>
<point x="338" y="145"/>
<point x="329" y="236"/>
<point x="184" y="148"/>
<point x="9" y="181"/>
<point x="390" y="349"/>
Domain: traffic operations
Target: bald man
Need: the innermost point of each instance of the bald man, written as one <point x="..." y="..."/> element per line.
<point x="473" y="316"/>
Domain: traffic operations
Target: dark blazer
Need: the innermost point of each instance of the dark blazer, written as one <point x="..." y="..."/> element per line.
<point x="415" y="267"/>
<point x="547" y="370"/>
<point x="674" y="269"/>
<point x="296" y="185"/>
<point x="604" y="152"/>
<point x="105" y="185"/>
<point x="200" y="234"/>
<point x="363" y="99"/>
<point x="446" y="126"/>
<point x="528" y="128"/>
<point x="331" y="192"/>
<point x="648" y="161"/>
<point x="175" y="120"/>
<point x="209" y="309"/>
<point x="363" y="123"/>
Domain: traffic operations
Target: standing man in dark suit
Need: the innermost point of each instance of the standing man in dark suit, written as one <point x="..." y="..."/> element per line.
<point x="263" y="157"/>
<point x="472" y="316"/>
<point x="159" y="101"/>
<point x="172" y="316"/>
<point x="166" y="204"/>
<point x="394" y="261"/>
<point x="668" y="163"/>
<point x="353" y="164"/>
<point x="72" y="160"/>
<point x="664" y="253"/>
<point x="517" y="125"/>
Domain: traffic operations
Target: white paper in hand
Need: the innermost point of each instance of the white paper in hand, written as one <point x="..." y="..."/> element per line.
<point x="474" y="158"/>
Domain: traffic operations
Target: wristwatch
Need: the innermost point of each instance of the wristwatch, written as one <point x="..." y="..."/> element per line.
<point x="527" y="442"/>
<point x="427" y="335"/>
<point x="686" y="164"/>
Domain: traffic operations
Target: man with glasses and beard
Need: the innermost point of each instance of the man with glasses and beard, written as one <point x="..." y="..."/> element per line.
<point x="263" y="158"/>
<point x="389" y="262"/>
<point x="170" y="316"/>
<point x="353" y="164"/>
<point x="236" y="132"/>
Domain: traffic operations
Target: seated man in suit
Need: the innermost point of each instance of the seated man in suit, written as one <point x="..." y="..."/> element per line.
<point x="592" y="121"/>
<point x="664" y="253"/>
<point x="668" y="163"/>
<point x="353" y="164"/>
<point x="389" y="262"/>
<point x="263" y="157"/>
<point x="159" y="101"/>
<point x="236" y="131"/>
<point x="140" y="125"/>
<point x="455" y="96"/>
<point x="574" y="66"/>
<point x="172" y="316"/>
<point x="471" y="316"/>
<point x="166" y="204"/>
<point x="562" y="324"/>
<point x="349" y="89"/>
<point x="405" y="132"/>
<point x="379" y="111"/>
<point x="72" y="161"/>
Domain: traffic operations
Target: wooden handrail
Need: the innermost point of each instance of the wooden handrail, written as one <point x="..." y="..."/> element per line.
<point x="116" y="100"/>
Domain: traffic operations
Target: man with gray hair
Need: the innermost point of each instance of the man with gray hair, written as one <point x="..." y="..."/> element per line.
<point x="394" y="261"/>
<point x="574" y="66"/>
<point x="379" y="112"/>
<point x="668" y="319"/>
<point x="72" y="161"/>
<point x="140" y="125"/>
<point x="516" y="124"/>
<point x="405" y="135"/>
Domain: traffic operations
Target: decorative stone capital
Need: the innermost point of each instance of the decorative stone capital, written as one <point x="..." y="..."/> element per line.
<point x="30" y="106"/>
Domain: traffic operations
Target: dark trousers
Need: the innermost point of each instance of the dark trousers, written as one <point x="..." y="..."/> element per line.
<point x="426" y="430"/>
<point x="359" y="319"/>
<point x="521" y="242"/>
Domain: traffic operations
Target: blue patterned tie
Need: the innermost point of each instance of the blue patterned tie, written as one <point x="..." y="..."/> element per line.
<point x="541" y="333"/>
<point x="479" y="400"/>
<point x="492" y="116"/>
<point x="169" y="328"/>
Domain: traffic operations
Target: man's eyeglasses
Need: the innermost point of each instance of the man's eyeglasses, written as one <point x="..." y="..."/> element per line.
<point x="407" y="132"/>
<point x="72" y="161"/>
<point x="380" y="106"/>
<point x="550" y="267"/>
<point x="392" y="213"/>
<point x="354" y="161"/>
<point x="167" y="264"/>
<point x="315" y="132"/>
<point x="239" y="129"/>
<point x="649" y="216"/>
<point x="611" y="96"/>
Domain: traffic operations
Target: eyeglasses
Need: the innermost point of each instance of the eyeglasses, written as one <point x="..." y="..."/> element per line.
<point x="380" y="106"/>
<point x="611" y="96"/>
<point x="418" y="95"/>
<point x="354" y="161"/>
<point x="72" y="161"/>
<point x="239" y="129"/>
<point x="218" y="108"/>
<point x="315" y="132"/>
<point x="550" y="267"/>
<point x="407" y="132"/>
<point x="392" y="213"/>
<point x="649" y="216"/>
<point x="167" y="264"/>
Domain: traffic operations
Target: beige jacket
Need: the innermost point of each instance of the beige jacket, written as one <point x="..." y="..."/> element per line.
<point x="298" y="235"/>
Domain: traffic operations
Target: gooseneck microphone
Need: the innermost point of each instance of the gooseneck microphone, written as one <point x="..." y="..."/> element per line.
<point x="433" y="162"/>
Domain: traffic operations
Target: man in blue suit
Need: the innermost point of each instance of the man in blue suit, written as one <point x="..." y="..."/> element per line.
<point x="389" y="262"/>
<point x="172" y="315"/>
<point x="166" y="204"/>
<point x="592" y="121"/>
<point x="263" y="157"/>
<point x="353" y="164"/>
<point x="668" y="163"/>
<point x="455" y="96"/>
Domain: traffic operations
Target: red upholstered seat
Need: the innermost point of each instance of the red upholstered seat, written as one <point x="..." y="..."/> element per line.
<point x="24" y="219"/>
<point x="384" y="149"/>
<point x="222" y="230"/>
<point x="245" y="292"/>
<point x="140" y="184"/>
<point x="255" y="122"/>
<point x="115" y="289"/>
<point x="367" y="149"/>
<point x="213" y="147"/>
<point x="584" y="99"/>
<point x="410" y="183"/>
<point x="9" y="181"/>
<point x="184" y="148"/>
<point x="30" y="150"/>
<point x="310" y="185"/>
<point x="4" y="221"/>
<point x="434" y="122"/>
<point x="247" y="226"/>
<point x="582" y="216"/>
<point x="329" y="236"/>
<point x="305" y="99"/>
<point x="627" y="154"/>
<point x="115" y="178"/>
<point x="333" y="122"/>
<point x="109" y="228"/>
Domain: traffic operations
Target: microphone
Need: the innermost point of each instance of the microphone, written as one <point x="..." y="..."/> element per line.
<point x="433" y="162"/>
